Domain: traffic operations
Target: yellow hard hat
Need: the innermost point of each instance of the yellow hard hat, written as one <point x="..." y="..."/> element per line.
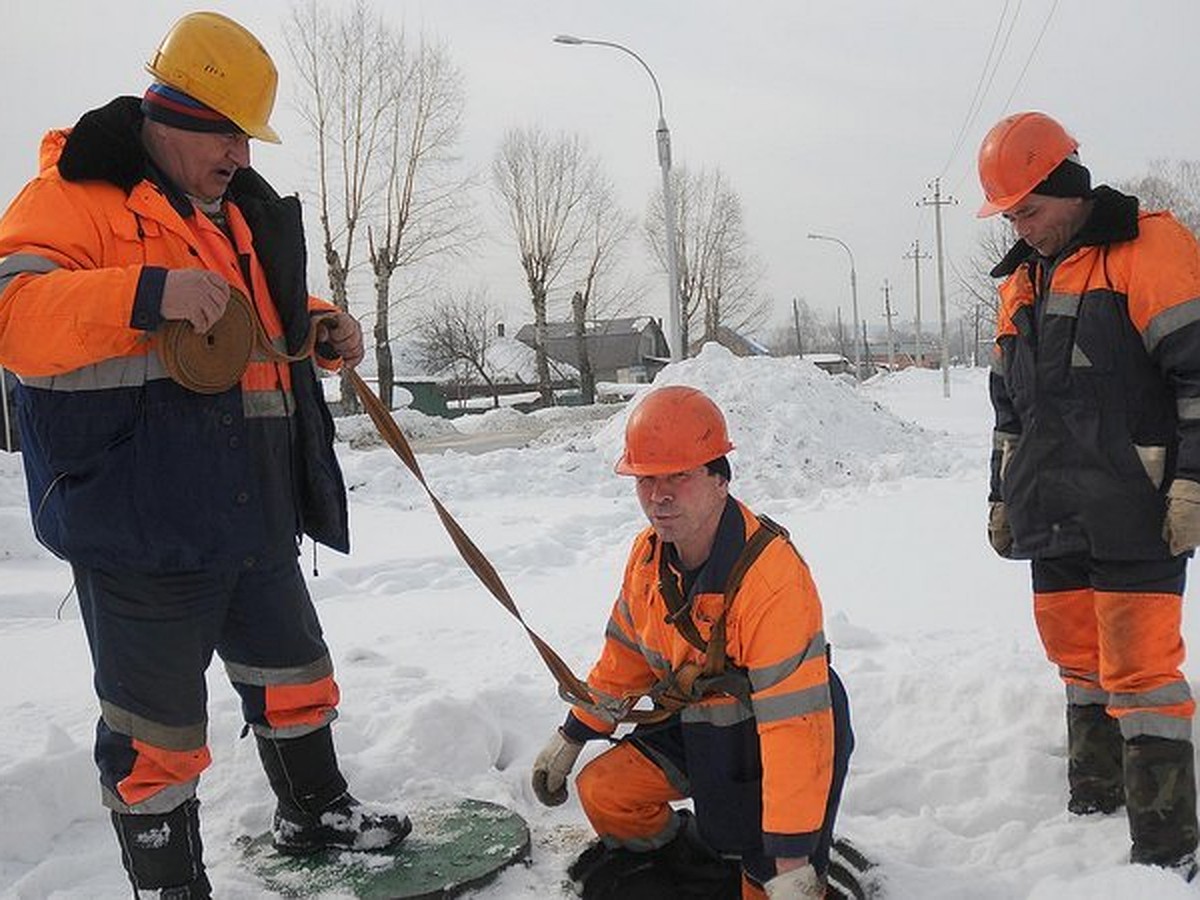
<point x="218" y="62"/>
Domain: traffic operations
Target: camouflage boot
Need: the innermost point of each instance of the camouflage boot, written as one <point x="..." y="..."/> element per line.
<point x="1094" y="764"/>
<point x="1160" y="794"/>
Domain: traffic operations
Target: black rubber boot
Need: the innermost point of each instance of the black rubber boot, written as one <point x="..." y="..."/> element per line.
<point x="315" y="811"/>
<point x="163" y="851"/>
<point x="1095" y="772"/>
<point x="1160" y="796"/>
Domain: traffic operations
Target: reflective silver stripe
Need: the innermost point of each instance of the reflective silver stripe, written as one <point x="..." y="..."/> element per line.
<point x="613" y="632"/>
<point x="1079" y="359"/>
<point x="262" y="676"/>
<point x="720" y="714"/>
<point x="24" y="264"/>
<point x="1167" y="695"/>
<point x="159" y="802"/>
<point x="1079" y="695"/>
<point x="294" y="731"/>
<point x="644" y="844"/>
<point x="1152" y="724"/>
<point x="267" y="404"/>
<point x="765" y="677"/>
<point x="1000" y="438"/>
<point x="121" y="371"/>
<point x="168" y="737"/>
<point x="1169" y="321"/>
<point x="1188" y="407"/>
<point x="1062" y="305"/>
<point x="791" y="705"/>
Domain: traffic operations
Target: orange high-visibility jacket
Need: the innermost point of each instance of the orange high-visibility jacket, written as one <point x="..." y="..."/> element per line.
<point x="126" y="468"/>
<point x="775" y="634"/>
<point x="1096" y="384"/>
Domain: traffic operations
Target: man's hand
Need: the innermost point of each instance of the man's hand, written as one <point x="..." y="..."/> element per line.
<point x="1181" y="526"/>
<point x="551" y="768"/>
<point x="798" y="883"/>
<point x="343" y="333"/>
<point x="999" y="533"/>
<point x="197" y="295"/>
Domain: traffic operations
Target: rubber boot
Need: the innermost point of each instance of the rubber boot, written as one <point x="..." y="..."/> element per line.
<point x="1160" y="796"/>
<point x="163" y="851"/>
<point x="1095" y="773"/>
<point x="315" y="811"/>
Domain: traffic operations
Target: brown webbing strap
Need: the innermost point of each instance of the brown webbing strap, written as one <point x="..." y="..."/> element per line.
<point x="571" y="685"/>
<point x="714" y="655"/>
<point x="214" y="361"/>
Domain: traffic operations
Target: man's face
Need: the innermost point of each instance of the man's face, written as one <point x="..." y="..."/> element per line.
<point x="1047" y="223"/>
<point x="684" y="508"/>
<point x="200" y="163"/>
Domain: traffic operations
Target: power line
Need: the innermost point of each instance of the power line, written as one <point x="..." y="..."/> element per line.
<point x="1032" y="51"/>
<point x="976" y="98"/>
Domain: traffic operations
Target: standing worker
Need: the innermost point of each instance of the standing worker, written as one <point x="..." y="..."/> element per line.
<point x="180" y="512"/>
<point x="718" y="620"/>
<point x="1095" y="473"/>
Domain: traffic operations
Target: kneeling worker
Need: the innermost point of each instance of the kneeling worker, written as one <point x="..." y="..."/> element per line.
<point x="719" y="622"/>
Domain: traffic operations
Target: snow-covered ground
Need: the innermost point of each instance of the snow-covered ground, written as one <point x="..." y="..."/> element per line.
<point x="957" y="786"/>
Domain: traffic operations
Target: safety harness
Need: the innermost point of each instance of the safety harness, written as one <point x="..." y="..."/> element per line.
<point x="214" y="361"/>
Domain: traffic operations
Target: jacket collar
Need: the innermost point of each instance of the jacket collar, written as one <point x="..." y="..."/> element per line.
<point x="1114" y="218"/>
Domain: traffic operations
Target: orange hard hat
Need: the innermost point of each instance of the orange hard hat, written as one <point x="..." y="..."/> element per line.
<point x="673" y="429"/>
<point x="1017" y="155"/>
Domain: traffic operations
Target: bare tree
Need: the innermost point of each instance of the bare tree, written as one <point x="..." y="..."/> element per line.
<point x="718" y="275"/>
<point x="977" y="296"/>
<point x="457" y="333"/>
<point x="424" y="210"/>
<point x="544" y="185"/>
<point x="348" y="87"/>
<point x="1173" y="185"/>
<point x="605" y="230"/>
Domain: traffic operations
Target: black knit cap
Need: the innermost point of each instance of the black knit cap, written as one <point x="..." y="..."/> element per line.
<point x="1070" y="178"/>
<point x="720" y="466"/>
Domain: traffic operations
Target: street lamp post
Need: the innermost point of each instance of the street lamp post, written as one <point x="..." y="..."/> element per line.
<point x="663" y="142"/>
<point x="853" y="298"/>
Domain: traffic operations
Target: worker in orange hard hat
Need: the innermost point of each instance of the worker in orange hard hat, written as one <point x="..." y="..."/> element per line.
<point x="719" y="622"/>
<point x="181" y="512"/>
<point x="1095" y="472"/>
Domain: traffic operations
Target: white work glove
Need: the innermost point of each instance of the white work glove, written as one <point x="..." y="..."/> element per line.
<point x="797" y="884"/>
<point x="1181" y="526"/>
<point x="551" y="768"/>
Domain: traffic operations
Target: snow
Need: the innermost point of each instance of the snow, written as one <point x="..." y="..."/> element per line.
<point x="957" y="785"/>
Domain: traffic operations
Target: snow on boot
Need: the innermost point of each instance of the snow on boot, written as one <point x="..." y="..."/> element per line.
<point x="163" y="851"/>
<point x="315" y="811"/>
<point x="1094" y="760"/>
<point x="1160" y="797"/>
<point x="345" y="824"/>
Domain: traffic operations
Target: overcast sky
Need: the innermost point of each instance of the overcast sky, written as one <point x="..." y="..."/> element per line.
<point x="831" y="117"/>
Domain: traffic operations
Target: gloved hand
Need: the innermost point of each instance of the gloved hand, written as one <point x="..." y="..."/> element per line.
<point x="551" y="768"/>
<point x="999" y="534"/>
<point x="1181" y="526"/>
<point x="796" y="884"/>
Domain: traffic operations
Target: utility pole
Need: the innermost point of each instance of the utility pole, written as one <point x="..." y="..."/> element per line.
<point x="887" y="311"/>
<point x="841" y="334"/>
<point x="916" y="256"/>
<point x="796" y="325"/>
<point x="866" y="349"/>
<point x="937" y="203"/>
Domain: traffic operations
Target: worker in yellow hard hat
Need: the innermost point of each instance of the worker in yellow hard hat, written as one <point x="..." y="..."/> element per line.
<point x="181" y="512"/>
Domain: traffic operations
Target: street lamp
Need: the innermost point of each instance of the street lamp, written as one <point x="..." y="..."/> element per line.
<point x="853" y="298"/>
<point x="663" y="137"/>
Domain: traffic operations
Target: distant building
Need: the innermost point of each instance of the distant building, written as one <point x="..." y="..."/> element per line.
<point x="736" y="343"/>
<point x="630" y="350"/>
